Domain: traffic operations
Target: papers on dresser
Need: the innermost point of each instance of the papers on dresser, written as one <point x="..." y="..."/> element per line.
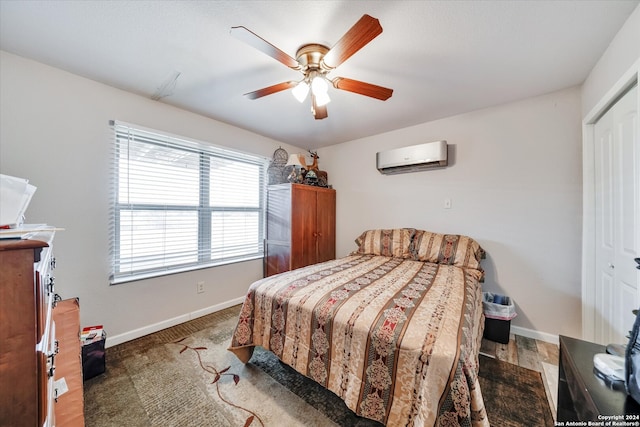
<point x="26" y="231"/>
<point x="15" y="195"/>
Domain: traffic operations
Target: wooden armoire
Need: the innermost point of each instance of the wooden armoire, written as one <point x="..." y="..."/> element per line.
<point x="301" y="227"/>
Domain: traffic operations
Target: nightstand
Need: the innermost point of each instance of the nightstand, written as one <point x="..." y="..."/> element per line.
<point x="581" y="395"/>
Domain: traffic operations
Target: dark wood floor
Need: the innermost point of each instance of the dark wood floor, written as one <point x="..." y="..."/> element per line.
<point x="532" y="354"/>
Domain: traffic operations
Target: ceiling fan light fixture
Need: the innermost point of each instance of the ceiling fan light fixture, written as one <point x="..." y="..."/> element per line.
<point x="319" y="85"/>
<point x="322" y="99"/>
<point x="300" y="91"/>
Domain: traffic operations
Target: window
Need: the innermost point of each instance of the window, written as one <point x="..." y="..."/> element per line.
<point x="180" y="204"/>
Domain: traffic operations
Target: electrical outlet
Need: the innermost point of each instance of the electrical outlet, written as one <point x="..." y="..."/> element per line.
<point x="200" y="287"/>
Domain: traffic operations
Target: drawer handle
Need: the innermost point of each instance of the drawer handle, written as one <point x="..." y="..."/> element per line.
<point x="51" y="362"/>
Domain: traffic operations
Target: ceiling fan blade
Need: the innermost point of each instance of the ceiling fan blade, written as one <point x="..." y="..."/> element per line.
<point x="271" y="90"/>
<point x="362" y="32"/>
<point x="319" y="112"/>
<point x="252" y="39"/>
<point x="362" y="88"/>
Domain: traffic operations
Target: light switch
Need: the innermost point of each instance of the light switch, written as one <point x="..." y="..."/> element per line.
<point x="447" y="203"/>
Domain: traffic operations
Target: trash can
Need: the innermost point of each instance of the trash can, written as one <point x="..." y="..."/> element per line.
<point x="93" y="351"/>
<point x="498" y="312"/>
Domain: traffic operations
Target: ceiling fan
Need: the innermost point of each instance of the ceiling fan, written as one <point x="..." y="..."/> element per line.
<point x="315" y="61"/>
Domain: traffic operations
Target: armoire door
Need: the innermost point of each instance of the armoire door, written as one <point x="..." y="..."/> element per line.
<point x="303" y="226"/>
<point x="617" y="213"/>
<point x="326" y="225"/>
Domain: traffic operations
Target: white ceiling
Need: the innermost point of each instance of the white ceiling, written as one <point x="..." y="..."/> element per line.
<point x="441" y="57"/>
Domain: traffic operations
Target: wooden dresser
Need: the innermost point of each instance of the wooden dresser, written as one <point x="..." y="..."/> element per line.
<point x="301" y="227"/>
<point x="28" y="341"/>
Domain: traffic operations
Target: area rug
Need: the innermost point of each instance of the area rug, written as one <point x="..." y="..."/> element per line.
<point x="513" y="396"/>
<point x="184" y="376"/>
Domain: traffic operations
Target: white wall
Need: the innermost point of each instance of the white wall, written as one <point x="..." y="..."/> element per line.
<point x="619" y="57"/>
<point x="514" y="184"/>
<point x="54" y="131"/>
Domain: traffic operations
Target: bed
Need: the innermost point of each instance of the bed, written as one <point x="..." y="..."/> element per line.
<point x="393" y="329"/>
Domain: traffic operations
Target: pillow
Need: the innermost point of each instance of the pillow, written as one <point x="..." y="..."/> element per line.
<point x="450" y="249"/>
<point x="392" y="243"/>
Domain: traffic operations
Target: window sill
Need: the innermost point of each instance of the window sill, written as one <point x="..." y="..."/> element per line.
<point x="151" y="275"/>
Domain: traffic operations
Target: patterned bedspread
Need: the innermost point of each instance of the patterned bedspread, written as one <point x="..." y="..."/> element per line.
<point x="396" y="339"/>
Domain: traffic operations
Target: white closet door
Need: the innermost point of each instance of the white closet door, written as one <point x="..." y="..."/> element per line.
<point x="617" y="187"/>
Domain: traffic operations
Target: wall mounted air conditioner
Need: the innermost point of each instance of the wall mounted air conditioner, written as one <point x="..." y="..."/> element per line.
<point x="413" y="158"/>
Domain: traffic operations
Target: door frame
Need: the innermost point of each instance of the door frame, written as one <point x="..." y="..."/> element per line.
<point x="628" y="79"/>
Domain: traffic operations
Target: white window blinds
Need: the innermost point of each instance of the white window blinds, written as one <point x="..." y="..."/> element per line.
<point x="180" y="204"/>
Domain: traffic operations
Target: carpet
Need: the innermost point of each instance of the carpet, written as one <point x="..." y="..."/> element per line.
<point x="184" y="376"/>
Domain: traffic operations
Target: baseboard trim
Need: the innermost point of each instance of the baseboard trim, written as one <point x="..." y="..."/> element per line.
<point x="149" y="329"/>
<point x="530" y="333"/>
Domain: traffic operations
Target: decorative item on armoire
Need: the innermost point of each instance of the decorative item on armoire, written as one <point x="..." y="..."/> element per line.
<point x="310" y="178"/>
<point x="318" y="178"/>
<point x="296" y="175"/>
<point x="277" y="166"/>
